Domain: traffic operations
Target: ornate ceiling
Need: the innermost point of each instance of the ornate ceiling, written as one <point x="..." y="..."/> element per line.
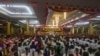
<point x="41" y="6"/>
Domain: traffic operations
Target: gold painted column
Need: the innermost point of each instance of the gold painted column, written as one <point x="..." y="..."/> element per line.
<point x="27" y="28"/>
<point x="90" y="30"/>
<point x="57" y="20"/>
<point x="12" y="30"/>
<point x="83" y="28"/>
<point x="21" y="31"/>
<point x="8" y="28"/>
<point x="34" y="29"/>
<point x="76" y="30"/>
<point x="73" y="30"/>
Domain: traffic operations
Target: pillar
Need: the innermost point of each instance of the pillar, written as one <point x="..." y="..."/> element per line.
<point x="21" y="30"/>
<point x="12" y="30"/>
<point x="34" y="29"/>
<point x="90" y="29"/>
<point x="8" y="28"/>
<point x="27" y="28"/>
<point x="83" y="28"/>
<point x="77" y="30"/>
<point x="73" y="30"/>
<point x="57" y="20"/>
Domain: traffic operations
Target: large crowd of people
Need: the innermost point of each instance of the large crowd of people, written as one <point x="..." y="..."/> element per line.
<point x="49" y="46"/>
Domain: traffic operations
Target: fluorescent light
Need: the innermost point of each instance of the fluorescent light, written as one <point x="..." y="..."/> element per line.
<point x="82" y="23"/>
<point x="3" y="7"/>
<point x="23" y="16"/>
<point x="84" y="15"/>
<point x="66" y="22"/>
<point x="35" y="25"/>
<point x="69" y="26"/>
<point x="51" y="25"/>
<point x="95" y="25"/>
<point x="95" y="19"/>
<point x="72" y="20"/>
<point x="98" y="16"/>
<point x="77" y="18"/>
<point x="23" y="21"/>
<point x="34" y="22"/>
<point x="79" y="12"/>
<point x="17" y="24"/>
<point x="38" y="25"/>
<point x="1" y="24"/>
